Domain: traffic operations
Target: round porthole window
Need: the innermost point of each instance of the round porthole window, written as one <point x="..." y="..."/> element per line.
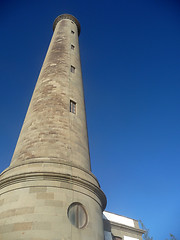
<point x="77" y="215"/>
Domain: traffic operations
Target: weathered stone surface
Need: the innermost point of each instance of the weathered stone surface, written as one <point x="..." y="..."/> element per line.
<point x="50" y="168"/>
<point x="50" y="130"/>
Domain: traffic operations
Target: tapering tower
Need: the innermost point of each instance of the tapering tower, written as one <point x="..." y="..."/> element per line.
<point x="48" y="192"/>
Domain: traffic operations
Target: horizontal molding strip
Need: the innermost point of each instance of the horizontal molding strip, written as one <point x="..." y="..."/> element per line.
<point x="58" y="177"/>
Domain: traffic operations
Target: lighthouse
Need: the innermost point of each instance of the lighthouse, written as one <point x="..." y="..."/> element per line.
<point x="49" y="192"/>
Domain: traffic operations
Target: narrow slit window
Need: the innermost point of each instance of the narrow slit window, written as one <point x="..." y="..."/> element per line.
<point x="72" y="31"/>
<point x="72" y="106"/>
<point x="72" y="46"/>
<point x="72" y="69"/>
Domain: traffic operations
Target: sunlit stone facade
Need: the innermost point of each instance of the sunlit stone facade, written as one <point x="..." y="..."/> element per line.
<point x="49" y="192"/>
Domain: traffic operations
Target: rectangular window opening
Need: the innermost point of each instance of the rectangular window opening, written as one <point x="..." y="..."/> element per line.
<point x="72" y="69"/>
<point x="72" y="46"/>
<point x="72" y="31"/>
<point x="72" y="106"/>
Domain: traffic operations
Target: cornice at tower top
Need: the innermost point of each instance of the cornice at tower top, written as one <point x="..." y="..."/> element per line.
<point x="70" y="17"/>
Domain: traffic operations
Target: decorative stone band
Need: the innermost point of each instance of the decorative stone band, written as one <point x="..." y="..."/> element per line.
<point x="57" y="163"/>
<point x="28" y="178"/>
<point x="70" y="17"/>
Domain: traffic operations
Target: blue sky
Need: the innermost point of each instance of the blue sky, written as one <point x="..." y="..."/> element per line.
<point x="130" y="54"/>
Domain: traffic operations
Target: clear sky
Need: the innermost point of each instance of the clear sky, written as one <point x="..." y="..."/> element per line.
<point x="130" y="54"/>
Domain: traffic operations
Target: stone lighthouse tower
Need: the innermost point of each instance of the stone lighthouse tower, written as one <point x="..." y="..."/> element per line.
<point x="48" y="192"/>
